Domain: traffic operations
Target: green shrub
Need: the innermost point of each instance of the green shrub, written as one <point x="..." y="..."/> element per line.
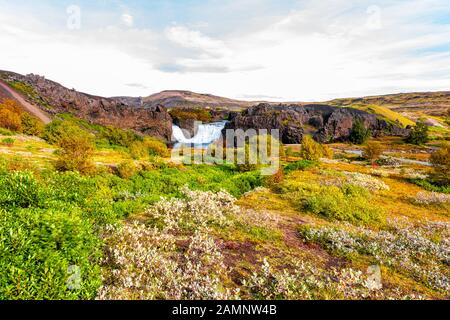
<point x="138" y="150"/>
<point x="38" y="248"/>
<point x="120" y="137"/>
<point x="431" y="185"/>
<point x="76" y="150"/>
<point x="300" y="165"/>
<point x="56" y="129"/>
<point x="18" y="190"/>
<point x="359" y="133"/>
<point x="6" y="132"/>
<point x="9" y="142"/>
<point x="31" y="125"/>
<point x="156" y="147"/>
<point x="247" y="159"/>
<point x="348" y="203"/>
<point x="418" y="134"/>
<point x="127" y="169"/>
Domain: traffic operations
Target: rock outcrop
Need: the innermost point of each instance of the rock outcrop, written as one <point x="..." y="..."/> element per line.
<point x="54" y="98"/>
<point x="326" y="123"/>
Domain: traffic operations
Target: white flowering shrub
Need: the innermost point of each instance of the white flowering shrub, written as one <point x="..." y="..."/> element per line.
<point x="432" y="198"/>
<point x="380" y="173"/>
<point x="178" y="260"/>
<point x="196" y="211"/>
<point x="145" y="263"/>
<point x="365" y="181"/>
<point x="407" y="249"/>
<point x="305" y="281"/>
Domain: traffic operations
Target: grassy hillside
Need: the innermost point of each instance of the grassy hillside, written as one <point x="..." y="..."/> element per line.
<point x="386" y="113"/>
<point x="434" y="103"/>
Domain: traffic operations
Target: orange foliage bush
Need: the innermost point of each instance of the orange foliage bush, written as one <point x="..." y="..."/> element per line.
<point x="13" y="118"/>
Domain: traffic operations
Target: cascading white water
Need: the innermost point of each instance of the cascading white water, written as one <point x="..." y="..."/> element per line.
<point x="206" y="133"/>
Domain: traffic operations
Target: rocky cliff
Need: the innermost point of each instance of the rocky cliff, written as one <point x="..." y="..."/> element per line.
<point x="326" y="123"/>
<point x="54" y="98"/>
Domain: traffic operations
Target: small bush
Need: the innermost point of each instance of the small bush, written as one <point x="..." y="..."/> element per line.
<point x="120" y="137"/>
<point x="56" y="129"/>
<point x="418" y="134"/>
<point x="18" y="163"/>
<point x="10" y="115"/>
<point x="312" y="150"/>
<point x="76" y="151"/>
<point x="31" y="126"/>
<point x="373" y="151"/>
<point x="127" y="169"/>
<point x="300" y="165"/>
<point x="138" y="150"/>
<point x="441" y="164"/>
<point x="9" y="142"/>
<point x="10" y="120"/>
<point x="156" y="147"/>
<point x="359" y="134"/>
<point x="431" y="185"/>
<point x="13" y="118"/>
<point x="18" y="190"/>
<point x="6" y="132"/>
<point x="273" y="181"/>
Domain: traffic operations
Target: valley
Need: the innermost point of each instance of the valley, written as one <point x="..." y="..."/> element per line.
<point x="359" y="207"/>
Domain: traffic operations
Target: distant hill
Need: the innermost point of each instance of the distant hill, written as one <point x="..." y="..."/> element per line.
<point x="431" y="103"/>
<point x="138" y="113"/>
<point x="187" y="99"/>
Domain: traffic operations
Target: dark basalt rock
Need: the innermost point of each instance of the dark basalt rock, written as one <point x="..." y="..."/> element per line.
<point x="326" y="123"/>
<point x="150" y="120"/>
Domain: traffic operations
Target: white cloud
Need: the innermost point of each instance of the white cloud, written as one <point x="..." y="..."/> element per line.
<point x="127" y="20"/>
<point x="192" y="39"/>
<point x="319" y="51"/>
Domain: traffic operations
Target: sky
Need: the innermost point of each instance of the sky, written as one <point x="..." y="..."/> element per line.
<point x="275" y="50"/>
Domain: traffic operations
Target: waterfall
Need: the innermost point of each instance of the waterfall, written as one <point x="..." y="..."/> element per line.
<point x="206" y="133"/>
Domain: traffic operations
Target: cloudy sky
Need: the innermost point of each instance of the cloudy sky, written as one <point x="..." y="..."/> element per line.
<point x="278" y="50"/>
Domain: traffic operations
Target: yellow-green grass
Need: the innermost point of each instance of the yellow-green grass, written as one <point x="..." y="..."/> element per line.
<point x="387" y="113"/>
<point x="40" y="152"/>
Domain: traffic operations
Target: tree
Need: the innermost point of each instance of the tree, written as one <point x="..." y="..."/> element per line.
<point x="373" y="150"/>
<point x="76" y="150"/>
<point x="418" y="134"/>
<point x="441" y="164"/>
<point x="312" y="150"/>
<point x="359" y="134"/>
